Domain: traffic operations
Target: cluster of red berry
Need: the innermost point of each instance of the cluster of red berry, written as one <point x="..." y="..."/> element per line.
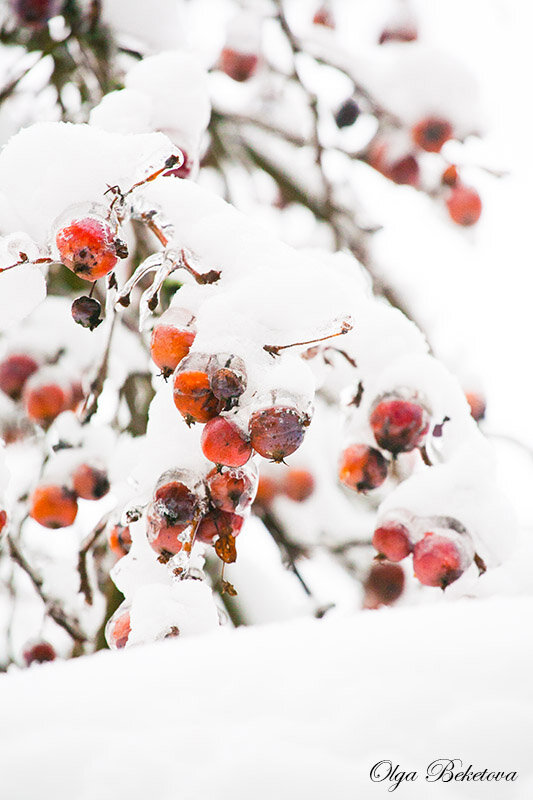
<point x="56" y="506"/>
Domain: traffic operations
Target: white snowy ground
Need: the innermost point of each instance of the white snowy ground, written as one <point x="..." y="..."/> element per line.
<point x="302" y="709"/>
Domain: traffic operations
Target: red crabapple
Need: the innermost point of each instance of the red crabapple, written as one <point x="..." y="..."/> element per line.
<point x="440" y="559"/>
<point x="239" y="66"/>
<point x="192" y="392"/>
<point x="53" y="506"/>
<point x="323" y="16"/>
<point x="3" y="519"/>
<point x="185" y="170"/>
<point x="35" y="13"/>
<point x="230" y="489"/>
<point x="477" y="405"/>
<point x="118" y="630"/>
<point x="171" y="340"/>
<point x="384" y="584"/>
<point x="38" y="653"/>
<point x="431" y="133"/>
<point x="223" y="442"/>
<point x="277" y="431"/>
<point x="400" y="33"/>
<point x="450" y="176"/>
<point x="227" y="376"/>
<point x="45" y="397"/>
<point x="86" y="312"/>
<point x="163" y="536"/>
<point x="119" y="539"/>
<point x="14" y="372"/>
<point x="403" y="170"/>
<point x="298" y="484"/>
<point x="218" y="523"/>
<point x="267" y="489"/>
<point x="89" y="482"/>
<point x="464" y="205"/>
<point x="173" y="499"/>
<point x="89" y="247"/>
<point x="398" y="425"/>
<point x="362" y="468"/>
<point x="392" y="541"/>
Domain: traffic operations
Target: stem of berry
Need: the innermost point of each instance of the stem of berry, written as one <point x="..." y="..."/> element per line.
<point x="200" y="277"/>
<point x="25" y="260"/>
<point x="275" y="349"/>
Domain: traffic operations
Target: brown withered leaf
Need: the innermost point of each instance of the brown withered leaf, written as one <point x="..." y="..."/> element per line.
<point x="225" y="548"/>
<point x="228" y="588"/>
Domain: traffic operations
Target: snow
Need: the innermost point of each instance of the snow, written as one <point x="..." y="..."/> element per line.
<point x="295" y="709"/>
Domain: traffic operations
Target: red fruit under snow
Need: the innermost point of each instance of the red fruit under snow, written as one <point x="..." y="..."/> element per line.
<point x="298" y="484"/>
<point x="174" y="500"/>
<point x="464" y="205"/>
<point x="39" y="653"/>
<point x="239" y="66"/>
<point x="118" y="631"/>
<point x="3" y="520"/>
<point x="193" y="396"/>
<point x="227" y="376"/>
<point x="230" y="489"/>
<point x="362" y="468"/>
<point x="218" y="523"/>
<point x="323" y="16"/>
<point x="14" y="372"/>
<point x="89" y="247"/>
<point x="398" y="34"/>
<point x="399" y="425"/>
<point x="171" y="339"/>
<point x="392" y="541"/>
<point x="403" y="170"/>
<point x="89" y="482"/>
<point x="383" y="585"/>
<point x="181" y="172"/>
<point x="477" y="405"/>
<point x="432" y="133"/>
<point x="44" y="402"/>
<point x="224" y="443"/>
<point x="120" y="540"/>
<point x="35" y="13"/>
<point x="278" y="431"/>
<point x="267" y="489"/>
<point x="439" y="560"/>
<point x="53" y="506"/>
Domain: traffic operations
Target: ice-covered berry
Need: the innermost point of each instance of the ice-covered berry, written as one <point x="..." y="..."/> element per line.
<point x="277" y="431"/>
<point x="441" y="558"/>
<point x="53" y="506"/>
<point x="173" y="499"/>
<point x="118" y="629"/>
<point x="392" y="541"/>
<point x="165" y="537"/>
<point x="362" y="468"/>
<point x="45" y="397"/>
<point x="401" y="169"/>
<point x="464" y="205"/>
<point x="193" y="396"/>
<point x="399" y="425"/>
<point x="230" y="489"/>
<point x="431" y="133"/>
<point x="171" y="340"/>
<point x="89" y="247"/>
<point x="227" y="376"/>
<point x="90" y="483"/>
<point x="218" y="523"/>
<point x="86" y="312"/>
<point x="223" y="442"/>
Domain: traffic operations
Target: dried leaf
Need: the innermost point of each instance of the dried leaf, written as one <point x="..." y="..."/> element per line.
<point x="225" y="548"/>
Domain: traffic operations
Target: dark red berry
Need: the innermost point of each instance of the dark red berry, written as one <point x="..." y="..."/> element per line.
<point x="278" y="431"/>
<point x="227" y="376"/>
<point x="174" y="500"/>
<point x="384" y="585"/>
<point x="14" y="372"/>
<point x="464" y="205"/>
<point x="239" y="66"/>
<point x="439" y="560"/>
<point x="35" y="13"/>
<point x="431" y="133"/>
<point x="230" y="489"/>
<point x="39" y="653"/>
<point x="86" y="312"/>
<point x="218" y="523"/>
<point x="89" y="482"/>
<point x="399" y="425"/>
<point x="398" y="34"/>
